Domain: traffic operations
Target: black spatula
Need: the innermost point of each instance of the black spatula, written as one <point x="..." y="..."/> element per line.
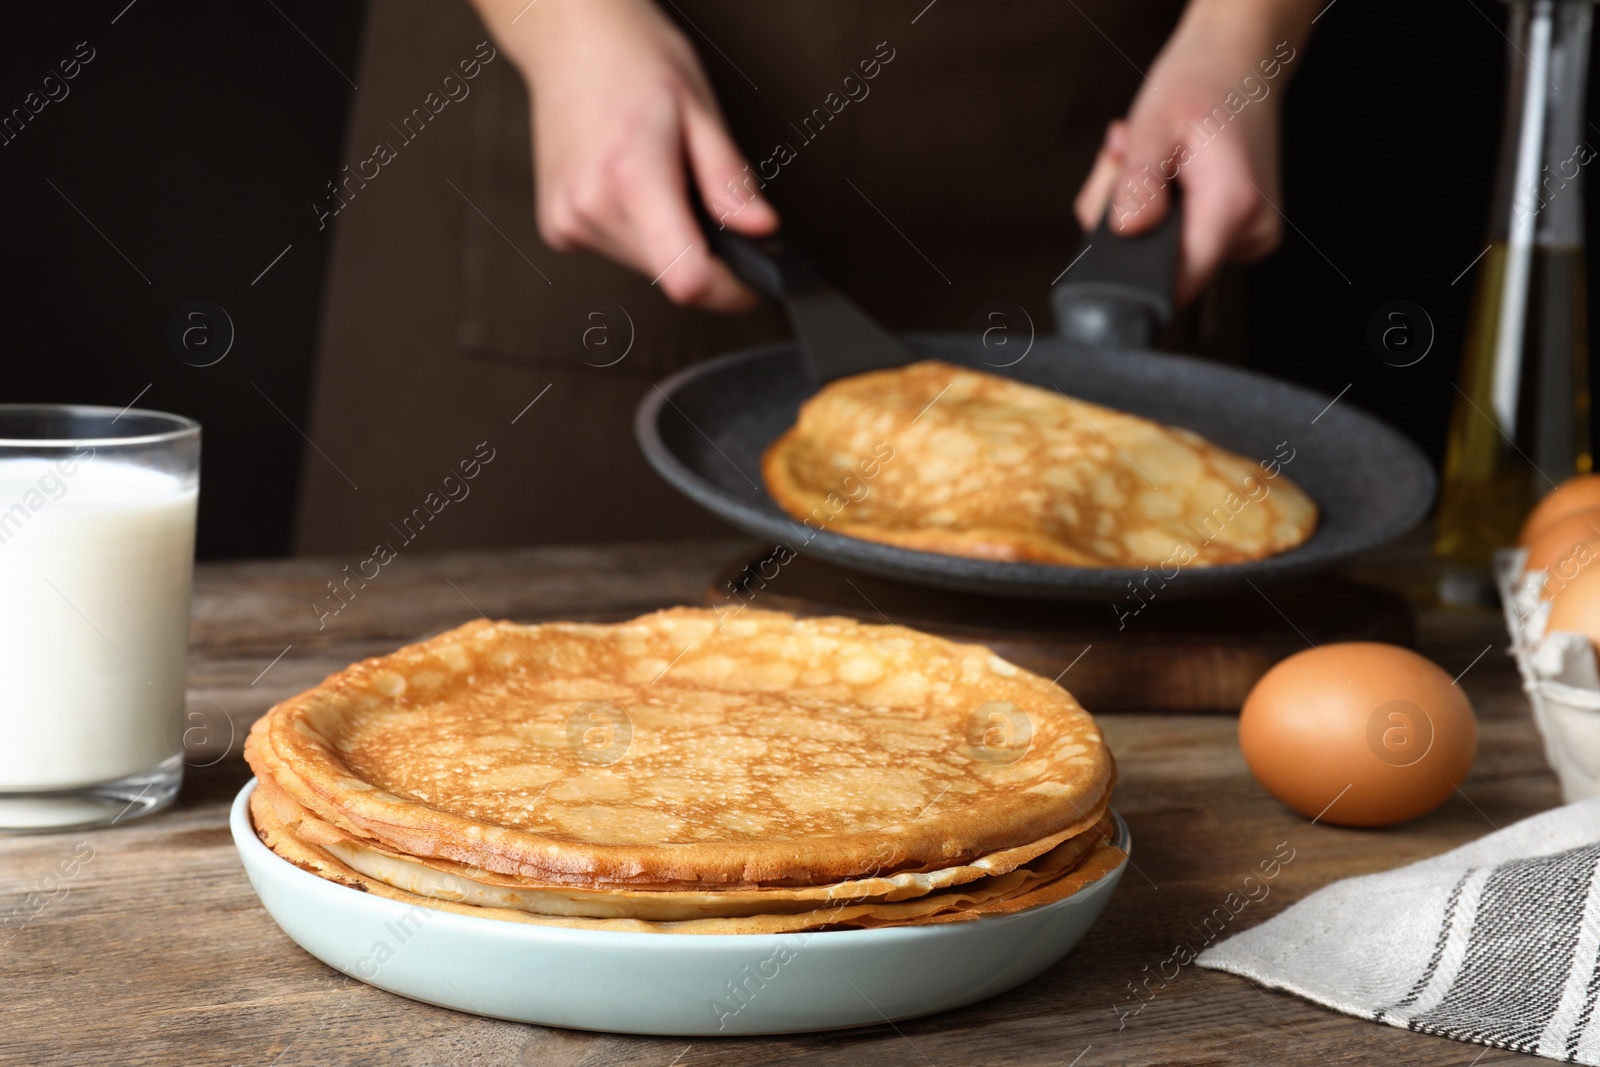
<point x="836" y="337"/>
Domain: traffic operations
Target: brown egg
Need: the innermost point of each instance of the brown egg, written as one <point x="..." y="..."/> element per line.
<point x="1566" y="546"/>
<point x="1358" y="734"/>
<point x="1576" y="606"/>
<point x="1581" y="493"/>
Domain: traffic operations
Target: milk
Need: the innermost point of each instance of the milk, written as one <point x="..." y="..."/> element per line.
<point x="95" y="564"/>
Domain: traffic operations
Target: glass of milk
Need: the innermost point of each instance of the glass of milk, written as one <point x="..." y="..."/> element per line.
<point x="97" y="517"/>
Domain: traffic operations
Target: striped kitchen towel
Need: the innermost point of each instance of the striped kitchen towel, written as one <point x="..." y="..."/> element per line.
<point x="1497" y="942"/>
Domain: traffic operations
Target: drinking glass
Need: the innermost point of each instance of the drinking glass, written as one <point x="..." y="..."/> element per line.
<point x="97" y="521"/>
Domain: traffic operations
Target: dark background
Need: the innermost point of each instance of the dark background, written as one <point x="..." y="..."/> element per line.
<point x="195" y="141"/>
<point x="198" y="136"/>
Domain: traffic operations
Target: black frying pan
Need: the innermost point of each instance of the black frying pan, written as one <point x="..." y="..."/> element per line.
<point x="704" y="429"/>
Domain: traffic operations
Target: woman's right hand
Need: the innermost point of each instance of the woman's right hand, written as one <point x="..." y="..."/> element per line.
<point x="623" y="117"/>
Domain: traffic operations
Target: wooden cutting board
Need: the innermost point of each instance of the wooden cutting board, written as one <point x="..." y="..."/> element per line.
<point x="1168" y="655"/>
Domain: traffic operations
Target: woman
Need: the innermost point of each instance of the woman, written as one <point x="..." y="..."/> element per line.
<point x="925" y="153"/>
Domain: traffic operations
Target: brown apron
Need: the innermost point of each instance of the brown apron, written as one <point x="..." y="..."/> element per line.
<point x="938" y="186"/>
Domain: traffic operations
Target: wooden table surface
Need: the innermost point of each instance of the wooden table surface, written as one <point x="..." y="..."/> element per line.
<point x="157" y="951"/>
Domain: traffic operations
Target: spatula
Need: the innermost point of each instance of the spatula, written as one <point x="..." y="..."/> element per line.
<point x="836" y="337"/>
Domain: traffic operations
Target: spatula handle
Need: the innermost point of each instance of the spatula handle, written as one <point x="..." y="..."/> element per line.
<point x="770" y="265"/>
<point x="1119" y="292"/>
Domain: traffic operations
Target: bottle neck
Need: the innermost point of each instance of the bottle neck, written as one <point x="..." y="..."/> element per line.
<point x="1545" y="142"/>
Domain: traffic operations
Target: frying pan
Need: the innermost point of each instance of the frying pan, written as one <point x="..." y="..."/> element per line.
<point x="704" y="428"/>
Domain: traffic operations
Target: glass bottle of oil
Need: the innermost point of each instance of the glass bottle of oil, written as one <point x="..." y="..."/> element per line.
<point x="1520" y="423"/>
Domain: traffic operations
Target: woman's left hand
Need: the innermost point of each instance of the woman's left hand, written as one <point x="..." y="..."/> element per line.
<point x="1208" y="118"/>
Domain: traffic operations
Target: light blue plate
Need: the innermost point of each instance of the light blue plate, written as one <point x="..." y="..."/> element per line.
<point x="685" y="984"/>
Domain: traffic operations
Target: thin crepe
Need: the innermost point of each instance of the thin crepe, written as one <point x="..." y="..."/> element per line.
<point x="754" y="751"/>
<point x="943" y="459"/>
<point x="1054" y="876"/>
<point x="444" y="880"/>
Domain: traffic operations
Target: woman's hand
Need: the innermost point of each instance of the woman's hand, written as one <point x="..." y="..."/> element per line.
<point x="1207" y="117"/>
<point x="623" y="119"/>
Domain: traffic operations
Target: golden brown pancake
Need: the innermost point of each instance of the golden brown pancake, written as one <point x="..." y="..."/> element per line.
<point x="1055" y="875"/>
<point x="685" y="751"/>
<point x="445" y="880"/>
<point x="943" y="459"/>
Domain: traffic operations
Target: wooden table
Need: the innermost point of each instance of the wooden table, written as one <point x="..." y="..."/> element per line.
<point x="157" y="951"/>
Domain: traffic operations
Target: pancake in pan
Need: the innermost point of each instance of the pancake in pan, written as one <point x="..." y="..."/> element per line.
<point x="943" y="459"/>
<point x="684" y="751"/>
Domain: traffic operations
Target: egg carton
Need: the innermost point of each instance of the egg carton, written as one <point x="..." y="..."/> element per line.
<point x="1559" y="674"/>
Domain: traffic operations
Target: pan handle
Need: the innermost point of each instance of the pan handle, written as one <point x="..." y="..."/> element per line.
<point x="1119" y="293"/>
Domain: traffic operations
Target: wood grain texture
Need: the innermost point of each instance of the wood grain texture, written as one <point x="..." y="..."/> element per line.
<point x="157" y="951"/>
<point x="1153" y="651"/>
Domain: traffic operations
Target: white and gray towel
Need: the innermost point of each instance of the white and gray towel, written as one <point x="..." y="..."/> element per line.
<point x="1496" y="942"/>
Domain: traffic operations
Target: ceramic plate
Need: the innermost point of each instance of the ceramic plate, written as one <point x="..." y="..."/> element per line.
<point x="680" y="984"/>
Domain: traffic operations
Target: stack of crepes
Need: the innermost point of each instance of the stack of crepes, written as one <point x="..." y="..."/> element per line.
<point x="689" y="772"/>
